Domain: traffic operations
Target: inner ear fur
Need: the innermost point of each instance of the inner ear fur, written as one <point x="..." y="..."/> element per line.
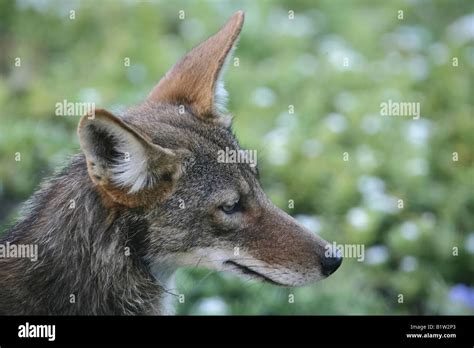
<point x="124" y="164"/>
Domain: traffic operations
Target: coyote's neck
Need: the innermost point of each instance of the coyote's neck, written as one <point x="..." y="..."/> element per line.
<point x="91" y="260"/>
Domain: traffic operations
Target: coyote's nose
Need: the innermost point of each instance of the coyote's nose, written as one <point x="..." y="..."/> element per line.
<point x="331" y="264"/>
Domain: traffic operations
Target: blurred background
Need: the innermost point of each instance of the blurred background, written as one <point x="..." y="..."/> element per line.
<point x="306" y="93"/>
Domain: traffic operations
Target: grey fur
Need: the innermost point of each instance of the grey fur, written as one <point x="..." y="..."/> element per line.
<point x="104" y="250"/>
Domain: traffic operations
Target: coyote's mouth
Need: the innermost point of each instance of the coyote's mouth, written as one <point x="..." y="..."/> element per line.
<point x="250" y="272"/>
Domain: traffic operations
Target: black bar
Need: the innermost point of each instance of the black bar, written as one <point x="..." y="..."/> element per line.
<point x="260" y="330"/>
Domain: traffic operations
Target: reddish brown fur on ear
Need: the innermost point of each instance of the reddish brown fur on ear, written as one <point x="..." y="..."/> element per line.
<point x="192" y="81"/>
<point x="124" y="164"/>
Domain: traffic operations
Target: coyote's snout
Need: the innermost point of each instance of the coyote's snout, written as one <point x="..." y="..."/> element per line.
<point x="148" y="195"/>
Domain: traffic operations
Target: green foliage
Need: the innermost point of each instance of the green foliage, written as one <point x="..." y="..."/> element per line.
<point x="282" y="62"/>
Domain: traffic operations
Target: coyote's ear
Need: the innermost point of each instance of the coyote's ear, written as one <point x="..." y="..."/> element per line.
<point x="125" y="164"/>
<point x="195" y="80"/>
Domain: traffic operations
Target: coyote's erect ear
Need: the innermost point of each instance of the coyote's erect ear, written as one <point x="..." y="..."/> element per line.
<point x="195" y="80"/>
<point x="124" y="163"/>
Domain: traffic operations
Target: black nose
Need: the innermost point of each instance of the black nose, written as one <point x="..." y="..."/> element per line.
<point x="331" y="264"/>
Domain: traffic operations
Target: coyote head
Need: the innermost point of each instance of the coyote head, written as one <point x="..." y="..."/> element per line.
<point x="159" y="160"/>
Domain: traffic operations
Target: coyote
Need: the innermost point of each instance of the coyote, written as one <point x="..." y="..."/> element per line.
<point x="148" y="195"/>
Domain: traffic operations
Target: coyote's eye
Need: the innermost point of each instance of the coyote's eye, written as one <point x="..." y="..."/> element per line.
<point x="230" y="208"/>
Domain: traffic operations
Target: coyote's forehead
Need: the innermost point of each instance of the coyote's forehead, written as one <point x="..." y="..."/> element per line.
<point x="169" y="126"/>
